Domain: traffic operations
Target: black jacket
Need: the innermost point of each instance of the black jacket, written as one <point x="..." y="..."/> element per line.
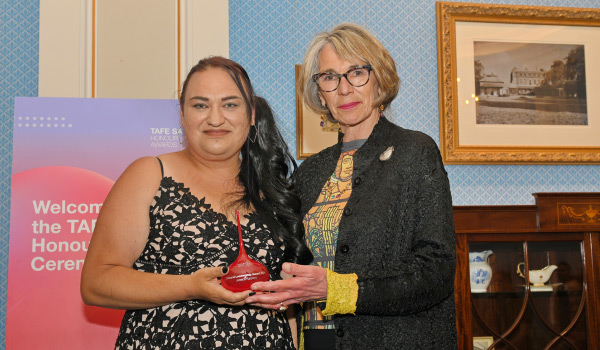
<point x="397" y="235"/>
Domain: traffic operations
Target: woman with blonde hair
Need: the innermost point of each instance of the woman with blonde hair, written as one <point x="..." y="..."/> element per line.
<point x="384" y="248"/>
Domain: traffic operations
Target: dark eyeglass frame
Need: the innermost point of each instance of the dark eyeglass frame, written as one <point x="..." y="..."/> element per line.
<point x="316" y="77"/>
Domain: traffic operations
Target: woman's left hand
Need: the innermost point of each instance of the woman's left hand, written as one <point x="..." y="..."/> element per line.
<point x="308" y="283"/>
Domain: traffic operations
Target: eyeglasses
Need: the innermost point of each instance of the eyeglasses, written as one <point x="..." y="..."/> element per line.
<point x="329" y="81"/>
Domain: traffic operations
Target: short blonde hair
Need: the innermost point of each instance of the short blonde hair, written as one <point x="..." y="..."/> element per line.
<point x="351" y="42"/>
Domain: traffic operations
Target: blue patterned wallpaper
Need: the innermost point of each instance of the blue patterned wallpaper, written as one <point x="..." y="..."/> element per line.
<point x="19" y="23"/>
<point x="269" y="37"/>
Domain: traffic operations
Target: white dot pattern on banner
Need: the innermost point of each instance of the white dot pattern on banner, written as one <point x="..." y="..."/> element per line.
<point x="41" y="125"/>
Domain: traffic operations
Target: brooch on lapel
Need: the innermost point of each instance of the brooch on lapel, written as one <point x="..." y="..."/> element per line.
<point x="386" y="154"/>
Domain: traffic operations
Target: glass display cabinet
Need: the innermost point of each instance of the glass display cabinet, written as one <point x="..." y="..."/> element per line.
<point x="528" y="277"/>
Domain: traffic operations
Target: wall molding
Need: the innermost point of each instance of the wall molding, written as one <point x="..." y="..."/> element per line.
<point x="69" y="45"/>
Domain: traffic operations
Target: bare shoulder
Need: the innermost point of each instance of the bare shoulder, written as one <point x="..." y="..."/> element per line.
<point x="172" y="162"/>
<point x="140" y="179"/>
<point x="145" y="165"/>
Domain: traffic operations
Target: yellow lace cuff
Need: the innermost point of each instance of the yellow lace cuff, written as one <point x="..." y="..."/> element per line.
<point x="342" y="293"/>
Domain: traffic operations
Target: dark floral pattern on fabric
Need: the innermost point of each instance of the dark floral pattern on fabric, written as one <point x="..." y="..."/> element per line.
<point x="186" y="235"/>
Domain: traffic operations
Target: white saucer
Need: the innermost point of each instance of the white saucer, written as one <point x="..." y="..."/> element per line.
<point x="541" y="288"/>
<point x="478" y="290"/>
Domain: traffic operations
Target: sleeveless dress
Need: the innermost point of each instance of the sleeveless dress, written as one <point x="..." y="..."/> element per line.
<point x="187" y="235"/>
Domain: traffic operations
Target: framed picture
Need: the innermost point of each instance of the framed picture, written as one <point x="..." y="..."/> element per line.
<point x="518" y="84"/>
<point x="482" y="343"/>
<point x="314" y="132"/>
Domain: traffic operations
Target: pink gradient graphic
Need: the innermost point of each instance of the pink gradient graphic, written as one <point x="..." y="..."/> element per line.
<point x="44" y="307"/>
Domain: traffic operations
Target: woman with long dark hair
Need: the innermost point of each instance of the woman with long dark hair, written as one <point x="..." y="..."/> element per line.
<point x="167" y="234"/>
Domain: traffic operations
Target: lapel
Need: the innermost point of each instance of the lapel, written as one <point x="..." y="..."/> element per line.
<point x="375" y="145"/>
<point x="318" y="175"/>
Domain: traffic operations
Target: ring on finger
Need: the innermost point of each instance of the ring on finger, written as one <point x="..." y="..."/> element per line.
<point x="282" y="308"/>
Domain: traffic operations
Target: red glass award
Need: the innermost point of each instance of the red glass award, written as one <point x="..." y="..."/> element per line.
<point x="244" y="271"/>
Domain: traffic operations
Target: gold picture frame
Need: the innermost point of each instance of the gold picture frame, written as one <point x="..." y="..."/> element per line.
<point x="313" y="132"/>
<point x="491" y="131"/>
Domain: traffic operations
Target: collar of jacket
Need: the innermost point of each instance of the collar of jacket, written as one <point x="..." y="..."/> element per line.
<point x="376" y="144"/>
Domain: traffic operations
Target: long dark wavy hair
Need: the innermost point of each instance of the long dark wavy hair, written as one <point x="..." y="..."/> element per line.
<point x="267" y="164"/>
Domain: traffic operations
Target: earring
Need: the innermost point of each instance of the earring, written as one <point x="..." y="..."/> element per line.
<point x="250" y="137"/>
<point x="323" y="116"/>
<point x="381" y="108"/>
<point x="179" y="136"/>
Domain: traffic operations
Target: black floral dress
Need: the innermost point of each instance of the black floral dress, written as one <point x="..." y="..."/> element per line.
<point x="187" y="235"/>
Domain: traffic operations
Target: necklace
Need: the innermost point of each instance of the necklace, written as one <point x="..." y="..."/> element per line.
<point x="332" y="190"/>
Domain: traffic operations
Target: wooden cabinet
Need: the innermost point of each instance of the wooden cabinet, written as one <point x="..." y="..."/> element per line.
<point x="557" y="240"/>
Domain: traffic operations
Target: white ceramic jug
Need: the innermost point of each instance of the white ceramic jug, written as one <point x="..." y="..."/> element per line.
<point x="480" y="270"/>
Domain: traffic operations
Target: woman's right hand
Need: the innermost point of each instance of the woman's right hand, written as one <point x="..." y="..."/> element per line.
<point x="206" y="285"/>
<point x="308" y="283"/>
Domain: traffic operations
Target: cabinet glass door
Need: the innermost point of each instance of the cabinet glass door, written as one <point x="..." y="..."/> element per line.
<point x="534" y="298"/>
<point x="495" y="309"/>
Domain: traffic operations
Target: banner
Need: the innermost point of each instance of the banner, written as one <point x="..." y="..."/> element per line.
<point x="67" y="153"/>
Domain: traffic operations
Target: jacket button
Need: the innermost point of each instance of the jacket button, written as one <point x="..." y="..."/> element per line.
<point x="345" y="248"/>
<point x="339" y="332"/>
<point x="357" y="181"/>
<point x="347" y="211"/>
